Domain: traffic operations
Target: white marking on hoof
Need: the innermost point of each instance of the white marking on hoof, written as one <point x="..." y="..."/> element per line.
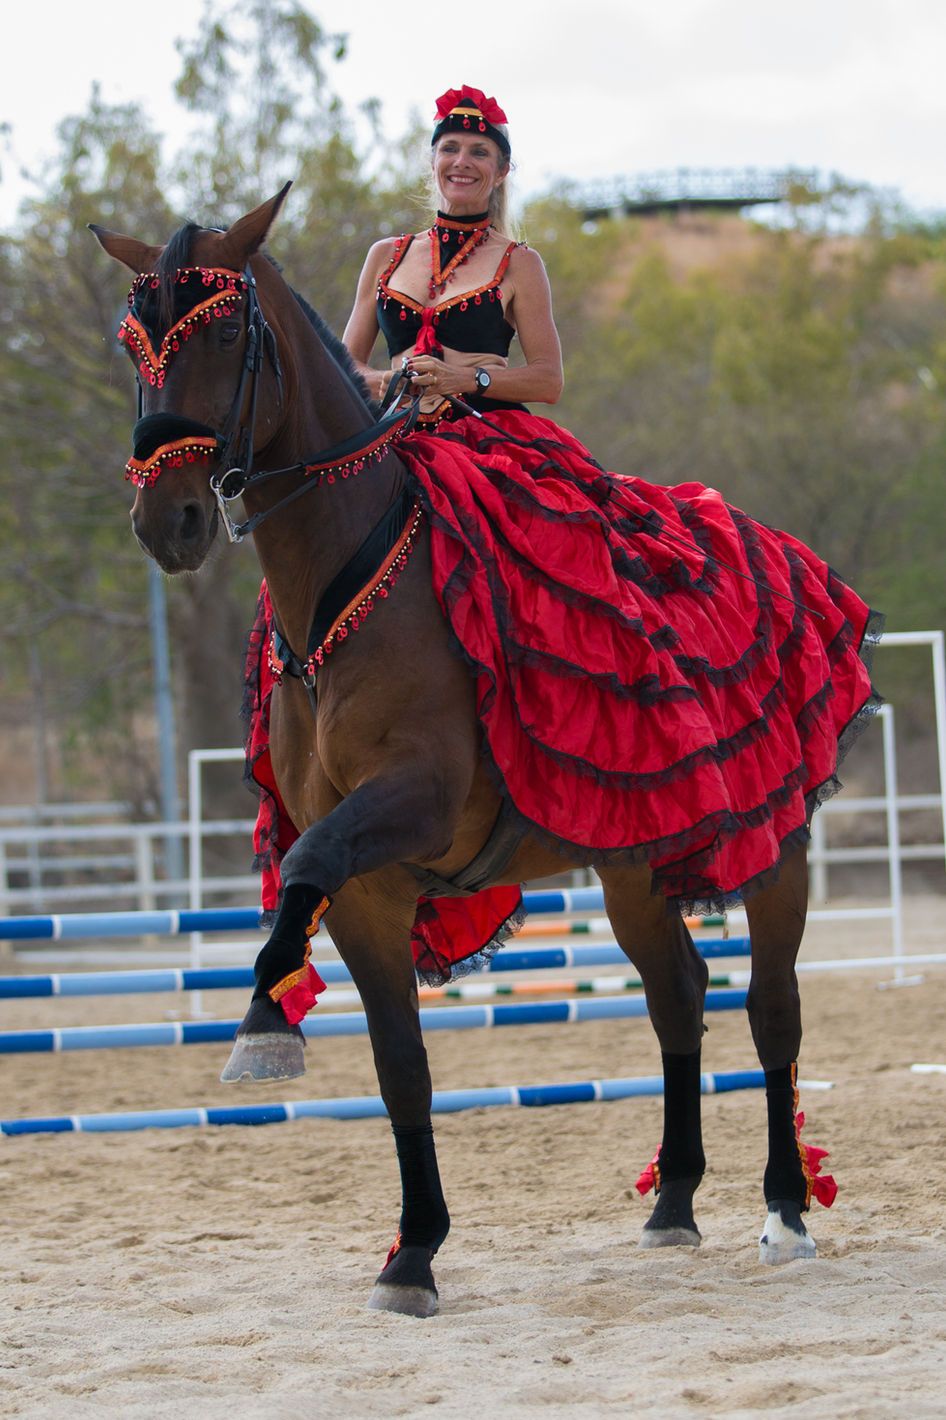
<point x="779" y="1243"/>
<point x="669" y="1237"/>
<point x="408" y="1301"/>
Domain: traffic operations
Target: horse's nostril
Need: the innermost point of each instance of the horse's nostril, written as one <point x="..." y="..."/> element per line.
<point x="192" y="522"/>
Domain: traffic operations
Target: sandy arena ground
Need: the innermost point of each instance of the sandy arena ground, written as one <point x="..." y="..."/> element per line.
<point x="225" y="1272"/>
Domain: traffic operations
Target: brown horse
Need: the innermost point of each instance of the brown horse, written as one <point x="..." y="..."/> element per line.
<point x="376" y="791"/>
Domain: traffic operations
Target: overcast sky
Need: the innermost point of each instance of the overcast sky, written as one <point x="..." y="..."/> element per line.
<point x="599" y="88"/>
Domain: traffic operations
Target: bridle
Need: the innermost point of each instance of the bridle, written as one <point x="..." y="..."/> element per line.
<point x="172" y="439"/>
<point x="342" y="460"/>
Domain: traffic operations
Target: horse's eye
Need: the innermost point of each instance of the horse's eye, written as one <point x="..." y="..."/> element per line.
<point x="229" y="332"/>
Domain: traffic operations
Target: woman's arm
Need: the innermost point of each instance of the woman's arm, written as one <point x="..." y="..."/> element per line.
<point x="540" y="379"/>
<point x="361" y="332"/>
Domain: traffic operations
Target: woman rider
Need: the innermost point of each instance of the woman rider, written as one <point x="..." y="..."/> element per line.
<point x="454" y="297"/>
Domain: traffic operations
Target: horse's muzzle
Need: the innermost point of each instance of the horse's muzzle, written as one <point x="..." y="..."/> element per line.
<point x="178" y="536"/>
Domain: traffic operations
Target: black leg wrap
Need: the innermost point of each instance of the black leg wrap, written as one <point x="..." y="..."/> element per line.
<point x="284" y="952"/>
<point x="784" y="1177"/>
<point x="425" y="1221"/>
<point x="681" y="1153"/>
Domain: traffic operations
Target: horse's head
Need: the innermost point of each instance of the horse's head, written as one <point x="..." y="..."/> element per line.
<point x="200" y="345"/>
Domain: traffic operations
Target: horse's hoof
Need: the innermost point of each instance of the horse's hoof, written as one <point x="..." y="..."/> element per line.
<point x="672" y="1224"/>
<point x="669" y="1237"/>
<point x="785" y="1237"/>
<point x="265" y="1057"/>
<point x="406" y="1284"/>
<point x="409" y="1301"/>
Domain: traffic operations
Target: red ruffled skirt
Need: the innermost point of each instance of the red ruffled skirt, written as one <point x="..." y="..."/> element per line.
<point x="659" y="678"/>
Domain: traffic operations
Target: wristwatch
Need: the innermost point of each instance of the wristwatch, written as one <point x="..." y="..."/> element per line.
<point x="483" y="379"/>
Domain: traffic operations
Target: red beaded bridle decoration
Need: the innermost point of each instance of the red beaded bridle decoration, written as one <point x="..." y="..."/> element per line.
<point x="143" y="472"/>
<point x="349" y="466"/>
<point x="361" y="605"/>
<point x="223" y="288"/>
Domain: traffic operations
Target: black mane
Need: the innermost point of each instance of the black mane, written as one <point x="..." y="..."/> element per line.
<point x="177" y="253"/>
<point x="339" y="352"/>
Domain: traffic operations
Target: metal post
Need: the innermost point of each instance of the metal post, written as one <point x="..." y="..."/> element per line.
<point x="816" y="859"/>
<point x="900" y="977"/>
<point x="939" y="703"/>
<point x="144" y="871"/>
<point x="164" y="708"/>
<point x="195" y="816"/>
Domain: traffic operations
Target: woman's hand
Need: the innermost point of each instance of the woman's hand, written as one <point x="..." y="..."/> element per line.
<point x="428" y="375"/>
<point x="384" y="382"/>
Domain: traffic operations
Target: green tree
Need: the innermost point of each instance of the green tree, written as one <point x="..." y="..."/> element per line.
<point x="256" y="79"/>
<point x="72" y="592"/>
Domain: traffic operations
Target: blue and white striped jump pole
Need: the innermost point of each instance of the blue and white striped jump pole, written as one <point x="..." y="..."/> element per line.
<point x="333" y="973"/>
<point x="485" y="1017"/>
<point x="372" y="1107"/>
<point x="73" y="926"/>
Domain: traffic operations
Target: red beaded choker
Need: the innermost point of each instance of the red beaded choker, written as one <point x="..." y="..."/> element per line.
<point x="462" y="235"/>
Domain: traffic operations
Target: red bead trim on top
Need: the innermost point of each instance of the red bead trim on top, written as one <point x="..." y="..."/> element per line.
<point x="144" y="472"/>
<point x="491" y="289"/>
<point x="230" y="287"/>
<point x="361" y="605"/>
<point x="440" y="232"/>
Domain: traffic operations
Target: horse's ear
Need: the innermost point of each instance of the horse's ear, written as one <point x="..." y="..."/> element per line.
<point x="248" y="233"/>
<point x="139" y="256"/>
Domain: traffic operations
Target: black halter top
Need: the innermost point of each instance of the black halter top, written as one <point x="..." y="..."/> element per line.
<point x="472" y="321"/>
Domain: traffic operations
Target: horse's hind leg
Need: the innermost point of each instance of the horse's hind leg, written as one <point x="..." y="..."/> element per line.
<point x="776" y="923"/>
<point x="674" y="974"/>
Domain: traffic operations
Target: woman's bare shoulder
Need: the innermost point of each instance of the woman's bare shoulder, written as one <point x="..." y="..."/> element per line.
<point x="381" y="251"/>
<point x="525" y="264"/>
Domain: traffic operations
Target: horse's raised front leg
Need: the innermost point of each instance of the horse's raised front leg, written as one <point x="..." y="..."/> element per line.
<point x="370" y="921"/>
<point x="386" y="820"/>
<point x="270" y="1043"/>
<point x="675" y="977"/>
<point x="776" y="923"/>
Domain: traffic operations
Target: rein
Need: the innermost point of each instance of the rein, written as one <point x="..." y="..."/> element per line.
<point x="346" y="458"/>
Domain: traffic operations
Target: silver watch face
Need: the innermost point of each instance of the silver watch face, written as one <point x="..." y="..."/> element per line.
<point x="483" y="379"/>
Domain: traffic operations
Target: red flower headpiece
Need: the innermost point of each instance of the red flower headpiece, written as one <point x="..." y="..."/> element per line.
<point x="471" y="98"/>
<point x="466" y="110"/>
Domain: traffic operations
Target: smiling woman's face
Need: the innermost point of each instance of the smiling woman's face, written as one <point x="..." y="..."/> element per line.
<point x="467" y="167"/>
